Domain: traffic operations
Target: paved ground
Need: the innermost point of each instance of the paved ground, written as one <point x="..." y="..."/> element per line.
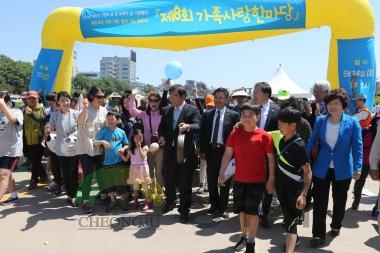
<point x="40" y="222"/>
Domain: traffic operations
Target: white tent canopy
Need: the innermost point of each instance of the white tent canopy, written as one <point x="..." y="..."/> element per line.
<point x="281" y="81"/>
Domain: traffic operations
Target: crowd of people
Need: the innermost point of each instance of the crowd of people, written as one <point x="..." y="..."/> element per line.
<point x="285" y="147"/>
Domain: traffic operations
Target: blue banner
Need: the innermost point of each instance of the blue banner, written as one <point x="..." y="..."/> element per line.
<point x="45" y="70"/>
<point x="195" y="17"/>
<point x="357" y="69"/>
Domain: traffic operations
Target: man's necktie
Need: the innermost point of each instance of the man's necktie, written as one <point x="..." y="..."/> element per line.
<point x="175" y="116"/>
<point x="261" y="115"/>
<point x="216" y="129"/>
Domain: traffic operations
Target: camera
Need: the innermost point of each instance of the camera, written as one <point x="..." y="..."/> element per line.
<point x="3" y="94"/>
<point x="154" y="138"/>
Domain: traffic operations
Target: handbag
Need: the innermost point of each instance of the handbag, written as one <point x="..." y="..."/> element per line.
<point x="314" y="151"/>
<point x="68" y="145"/>
<point x="51" y="141"/>
<point x="317" y="146"/>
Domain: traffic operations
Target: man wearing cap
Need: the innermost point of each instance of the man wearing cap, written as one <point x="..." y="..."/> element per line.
<point x="363" y="114"/>
<point x="209" y="102"/>
<point x="114" y="102"/>
<point x="216" y="126"/>
<point x="34" y="132"/>
<point x="240" y="97"/>
<point x="24" y="100"/>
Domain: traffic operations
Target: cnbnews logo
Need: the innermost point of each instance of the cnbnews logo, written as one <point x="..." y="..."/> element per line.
<point x="119" y="223"/>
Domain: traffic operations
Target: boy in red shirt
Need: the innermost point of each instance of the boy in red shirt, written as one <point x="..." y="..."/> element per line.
<point x="251" y="147"/>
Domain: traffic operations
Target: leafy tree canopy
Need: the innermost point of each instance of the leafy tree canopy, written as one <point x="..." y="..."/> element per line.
<point x="14" y="75"/>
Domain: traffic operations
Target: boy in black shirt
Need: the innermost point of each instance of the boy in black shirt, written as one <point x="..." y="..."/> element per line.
<point x="293" y="174"/>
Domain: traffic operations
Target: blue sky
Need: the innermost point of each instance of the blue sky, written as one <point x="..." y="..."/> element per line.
<point x="303" y="55"/>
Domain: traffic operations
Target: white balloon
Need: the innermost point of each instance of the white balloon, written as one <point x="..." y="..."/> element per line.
<point x="154" y="147"/>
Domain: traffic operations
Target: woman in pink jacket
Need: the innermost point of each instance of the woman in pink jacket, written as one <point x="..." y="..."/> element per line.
<point x="151" y="119"/>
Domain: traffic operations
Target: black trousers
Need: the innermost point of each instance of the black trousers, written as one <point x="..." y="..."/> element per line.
<point x="181" y="176"/>
<point x="69" y="168"/>
<point x="36" y="152"/>
<point x="321" y="190"/>
<point x="90" y="164"/>
<point x="288" y="191"/>
<point x="56" y="169"/>
<point x="218" y="197"/>
<point x="359" y="184"/>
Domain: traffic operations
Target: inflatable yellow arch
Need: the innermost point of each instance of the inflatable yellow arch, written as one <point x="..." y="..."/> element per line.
<point x="182" y="25"/>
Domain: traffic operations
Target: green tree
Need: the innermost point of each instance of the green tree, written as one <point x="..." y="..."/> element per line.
<point x="81" y="82"/>
<point x="107" y="84"/>
<point x="14" y="75"/>
<point x="148" y="88"/>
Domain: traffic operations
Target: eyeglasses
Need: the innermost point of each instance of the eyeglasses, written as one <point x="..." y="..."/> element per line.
<point x="100" y="96"/>
<point x="219" y="98"/>
<point x="154" y="100"/>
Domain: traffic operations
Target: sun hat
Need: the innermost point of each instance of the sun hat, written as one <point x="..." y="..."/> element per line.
<point x="115" y="95"/>
<point x="240" y="93"/>
<point x="360" y="97"/>
<point x="209" y="100"/>
<point x="283" y="94"/>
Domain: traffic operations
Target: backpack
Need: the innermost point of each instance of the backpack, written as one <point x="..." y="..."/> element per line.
<point x="368" y="136"/>
<point x="373" y="127"/>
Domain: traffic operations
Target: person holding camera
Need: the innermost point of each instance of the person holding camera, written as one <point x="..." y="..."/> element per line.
<point x="151" y="119"/>
<point x="11" y="121"/>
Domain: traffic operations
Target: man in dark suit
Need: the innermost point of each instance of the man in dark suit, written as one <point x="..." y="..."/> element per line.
<point x="216" y="126"/>
<point x="268" y="121"/>
<point x="179" y="158"/>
